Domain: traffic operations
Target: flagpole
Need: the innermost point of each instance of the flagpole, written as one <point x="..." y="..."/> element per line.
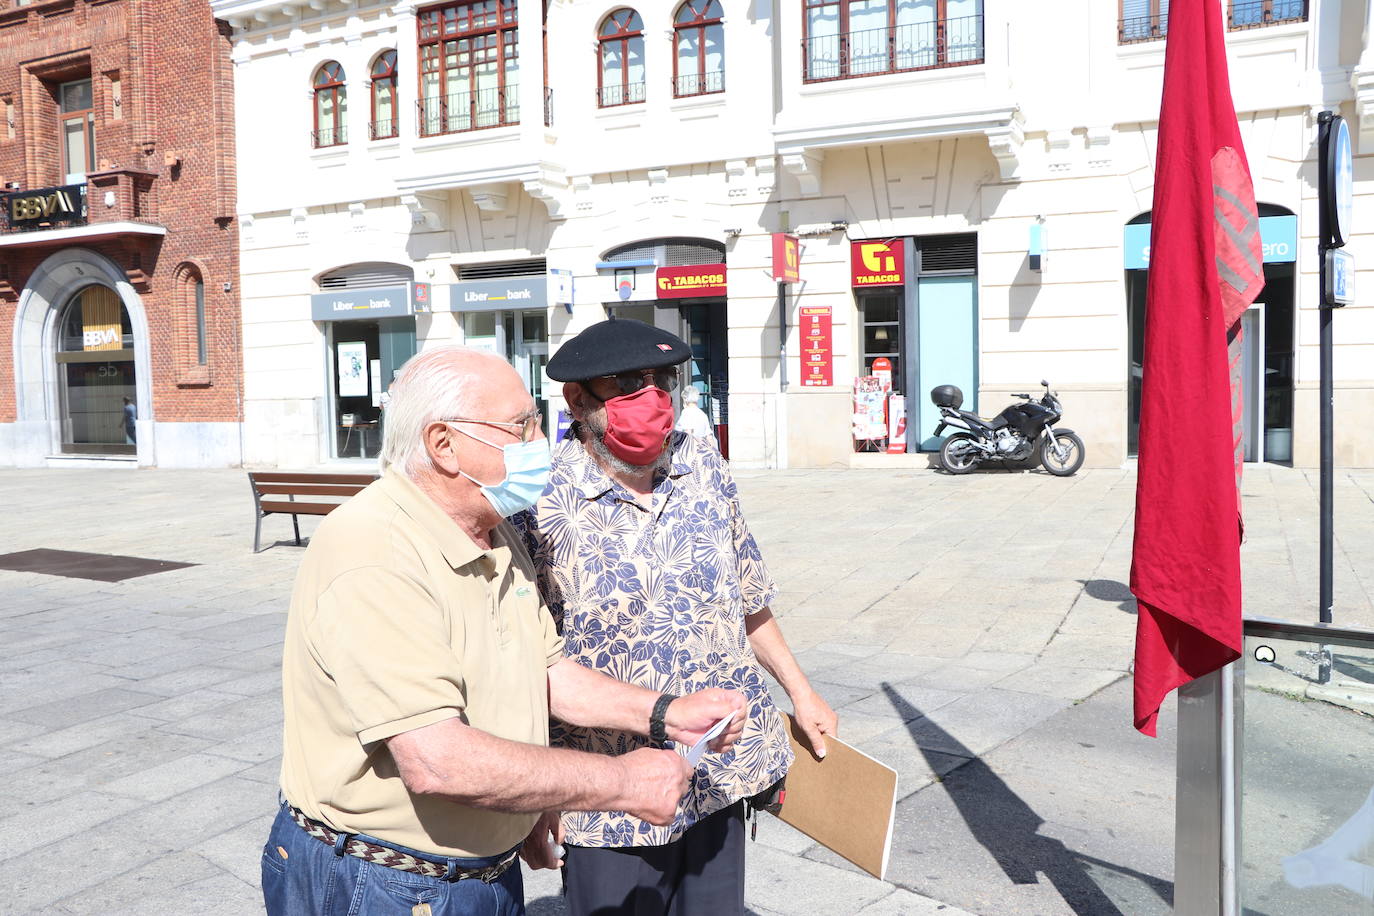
<point x="1325" y="393"/>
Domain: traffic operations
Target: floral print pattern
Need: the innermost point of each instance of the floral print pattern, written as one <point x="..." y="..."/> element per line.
<point x="658" y="597"/>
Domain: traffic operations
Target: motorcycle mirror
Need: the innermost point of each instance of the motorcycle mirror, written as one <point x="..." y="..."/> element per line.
<point x="1045" y="383"/>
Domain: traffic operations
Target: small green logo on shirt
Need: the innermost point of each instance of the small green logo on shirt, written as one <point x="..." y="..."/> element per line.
<point x="522" y="591"/>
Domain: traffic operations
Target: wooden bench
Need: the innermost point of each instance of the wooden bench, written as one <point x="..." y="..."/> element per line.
<point x="270" y="486"/>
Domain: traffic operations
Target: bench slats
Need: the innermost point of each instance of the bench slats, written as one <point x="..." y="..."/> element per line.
<point x="258" y="477"/>
<point x="310" y="489"/>
<point x="294" y="508"/>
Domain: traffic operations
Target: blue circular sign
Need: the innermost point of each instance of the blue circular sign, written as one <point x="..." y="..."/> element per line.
<point x="1341" y="169"/>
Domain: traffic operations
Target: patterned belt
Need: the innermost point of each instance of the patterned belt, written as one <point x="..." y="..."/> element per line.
<point x="394" y="858"/>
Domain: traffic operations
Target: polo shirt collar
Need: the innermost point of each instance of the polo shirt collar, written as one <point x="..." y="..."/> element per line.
<point x="458" y="549"/>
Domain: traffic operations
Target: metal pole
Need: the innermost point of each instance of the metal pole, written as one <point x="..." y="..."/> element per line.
<point x="782" y="336"/>
<point x="1324" y="395"/>
<point x="1208" y="798"/>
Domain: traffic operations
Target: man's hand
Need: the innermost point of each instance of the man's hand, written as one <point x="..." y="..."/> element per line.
<point x="815" y="717"/>
<point x="690" y="717"/>
<point x="542" y="847"/>
<point x="655" y="781"/>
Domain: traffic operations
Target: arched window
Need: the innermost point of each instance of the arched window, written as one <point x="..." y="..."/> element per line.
<point x="384" y="121"/>
<point x="331" y="106"/>
<point x="699" y="41"/>
<point x="620" y="77"/>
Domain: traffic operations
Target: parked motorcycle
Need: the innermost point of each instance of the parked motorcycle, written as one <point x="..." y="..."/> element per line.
<point x="1020" y="432"/>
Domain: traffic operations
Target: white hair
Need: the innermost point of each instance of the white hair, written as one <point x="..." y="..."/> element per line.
<point x="434" y="385"/>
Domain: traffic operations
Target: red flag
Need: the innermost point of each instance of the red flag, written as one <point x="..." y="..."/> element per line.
<point x="1205" y="269"/>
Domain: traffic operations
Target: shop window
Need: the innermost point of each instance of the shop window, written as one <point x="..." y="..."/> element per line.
<point x="699" y="45"/>
<point x="1256" y="14"/>
<point x="620" y="50"/>
<point x="851" y="38"/>
<point x="384" y="122"/>
<point x="469" y="67"/>
<point x="882" y="333"/>
<point x="77" y="117"/>
<point x="1142" y="20"/>
<point x="95" y="368"/>
<point x="331" y="106"/>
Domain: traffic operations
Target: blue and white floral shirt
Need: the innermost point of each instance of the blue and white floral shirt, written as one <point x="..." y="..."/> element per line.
<point x="658" y="598"/>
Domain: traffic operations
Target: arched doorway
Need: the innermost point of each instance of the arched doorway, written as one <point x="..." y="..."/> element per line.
<point x="1268" y="354"/>
<point x="96" y="375"/>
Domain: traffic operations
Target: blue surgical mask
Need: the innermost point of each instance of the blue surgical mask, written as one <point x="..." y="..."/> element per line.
<point x="527" y="471"/>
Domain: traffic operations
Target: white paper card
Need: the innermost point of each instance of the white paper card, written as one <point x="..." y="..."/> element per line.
<point x="700" y="747"/>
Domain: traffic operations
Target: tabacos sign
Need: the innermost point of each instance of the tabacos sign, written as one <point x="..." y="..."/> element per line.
<point x="692" y="280"/>
<point x="878" y="263"/>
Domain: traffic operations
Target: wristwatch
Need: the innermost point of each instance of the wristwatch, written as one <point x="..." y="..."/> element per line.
<point x="658" y="731"/>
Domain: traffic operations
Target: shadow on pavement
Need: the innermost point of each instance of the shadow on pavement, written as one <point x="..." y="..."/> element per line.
<point x="1008" y="828"/>
<point x="1111" y="590"/>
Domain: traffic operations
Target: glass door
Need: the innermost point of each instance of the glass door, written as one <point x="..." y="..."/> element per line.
<point x="947" y="350"/>
<point x="95" y="363"/>
<point x="529" y="354"/>
<point x="1252" y="381"/>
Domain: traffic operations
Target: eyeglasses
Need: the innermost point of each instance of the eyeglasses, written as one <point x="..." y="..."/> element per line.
<point x="630" y="382"/>
<point x="528" y="428"/>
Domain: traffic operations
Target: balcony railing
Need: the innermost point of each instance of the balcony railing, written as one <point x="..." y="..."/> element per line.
<point x="620" y="94"/>
<point x="1261" y="13"/>
<point x="464" y="111"/>
<point x="383" y="129"/>
<point x="1142" y="28"/>
<point x="916" y="46"/>
<point x="689" y="84"/>
<point x="329" y="136"/>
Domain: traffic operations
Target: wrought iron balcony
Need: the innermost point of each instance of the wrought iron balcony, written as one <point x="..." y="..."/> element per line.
<point x="916" y="46"/>
<point x="464" y="111"/>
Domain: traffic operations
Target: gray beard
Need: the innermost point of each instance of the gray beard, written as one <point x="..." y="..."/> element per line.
<point x="595" y="439"/>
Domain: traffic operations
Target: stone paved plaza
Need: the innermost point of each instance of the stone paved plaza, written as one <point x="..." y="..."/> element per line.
<point x="973" y="632"/>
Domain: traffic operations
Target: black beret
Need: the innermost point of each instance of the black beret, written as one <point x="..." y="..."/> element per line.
<point x="614" y="346"/>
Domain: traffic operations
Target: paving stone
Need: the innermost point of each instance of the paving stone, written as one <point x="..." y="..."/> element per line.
<point x="62" y="817"/>
<point x="777" y="881"/>
<point x="32" y="880"/>
<point x="132" y="891"/>
<point x="1057" y="681"/>
<point x="75" y="738"/>
<point x="175" y="776"/>
<point x="906" y="701"/>
<point x="237" y="851"/>
<point x="905" y="903"/>
<point x="204" y="811"/>
<point x="84" y="707"/>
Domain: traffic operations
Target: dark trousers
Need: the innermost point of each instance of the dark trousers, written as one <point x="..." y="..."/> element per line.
<point x="702" y="874"/>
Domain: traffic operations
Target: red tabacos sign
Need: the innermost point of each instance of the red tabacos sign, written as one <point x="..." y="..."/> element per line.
<point x="693" y="280"/>
<point x="878" y="263"/>
<point x="786" y="258"/>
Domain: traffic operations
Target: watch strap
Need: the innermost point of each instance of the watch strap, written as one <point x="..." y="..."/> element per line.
<point x="658" y="730"/>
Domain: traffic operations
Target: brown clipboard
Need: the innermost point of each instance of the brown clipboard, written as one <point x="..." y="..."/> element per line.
<point x="846" y="802"/>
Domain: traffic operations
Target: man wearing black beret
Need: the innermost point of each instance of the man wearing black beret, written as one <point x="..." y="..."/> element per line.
<point x="645" y="561"/>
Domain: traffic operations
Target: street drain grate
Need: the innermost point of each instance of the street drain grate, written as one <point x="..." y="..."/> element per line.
<point x="73" y="564"/>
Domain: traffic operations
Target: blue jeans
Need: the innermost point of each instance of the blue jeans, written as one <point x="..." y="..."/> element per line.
<point x="302" y="876"/>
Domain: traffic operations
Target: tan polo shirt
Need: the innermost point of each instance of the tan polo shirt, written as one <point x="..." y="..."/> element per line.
<point x="398" y="620"/>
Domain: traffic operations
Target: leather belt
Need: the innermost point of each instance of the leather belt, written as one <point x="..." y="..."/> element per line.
<point x="402" y="861"/>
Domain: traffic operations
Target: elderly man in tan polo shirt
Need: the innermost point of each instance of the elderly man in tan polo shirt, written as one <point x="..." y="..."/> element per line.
<point x="421" y="668"/>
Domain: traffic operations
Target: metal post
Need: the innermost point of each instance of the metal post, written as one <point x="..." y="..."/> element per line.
<point x="1324" y="392"/>
<point x="1207" y="814"/>
<point x="782" y="336"/>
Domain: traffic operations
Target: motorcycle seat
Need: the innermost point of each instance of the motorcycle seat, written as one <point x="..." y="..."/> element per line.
<point x="994" y="423"/>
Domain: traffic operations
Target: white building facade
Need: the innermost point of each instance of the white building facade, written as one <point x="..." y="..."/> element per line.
<point x="506" y="172"/>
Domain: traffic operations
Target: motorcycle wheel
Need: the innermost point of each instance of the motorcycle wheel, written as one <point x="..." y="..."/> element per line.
<point x="1067" y="458"/>
<point x="957" y="456"/>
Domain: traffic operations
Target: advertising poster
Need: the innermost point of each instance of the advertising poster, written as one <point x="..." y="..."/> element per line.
<point x="870" y="422"/>
<point x="896" y="424"/>
<point x="817" y="346"/>
<point x="375" y="371"/>
<point x="352" y="369"/>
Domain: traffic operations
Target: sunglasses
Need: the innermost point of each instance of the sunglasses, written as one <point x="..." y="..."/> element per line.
<point x="630" y="382"/>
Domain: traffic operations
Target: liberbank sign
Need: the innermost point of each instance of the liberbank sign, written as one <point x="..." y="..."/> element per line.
<point x="499" y="295"/>
<point x="361" y="304"/>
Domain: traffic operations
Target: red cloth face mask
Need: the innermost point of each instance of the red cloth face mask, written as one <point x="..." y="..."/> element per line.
<point x="638" y="425"/>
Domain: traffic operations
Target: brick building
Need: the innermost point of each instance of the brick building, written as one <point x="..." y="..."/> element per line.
<point x="119" y="307"/>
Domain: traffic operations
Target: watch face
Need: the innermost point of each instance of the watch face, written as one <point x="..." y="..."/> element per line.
<point x="1344" y="182"/>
